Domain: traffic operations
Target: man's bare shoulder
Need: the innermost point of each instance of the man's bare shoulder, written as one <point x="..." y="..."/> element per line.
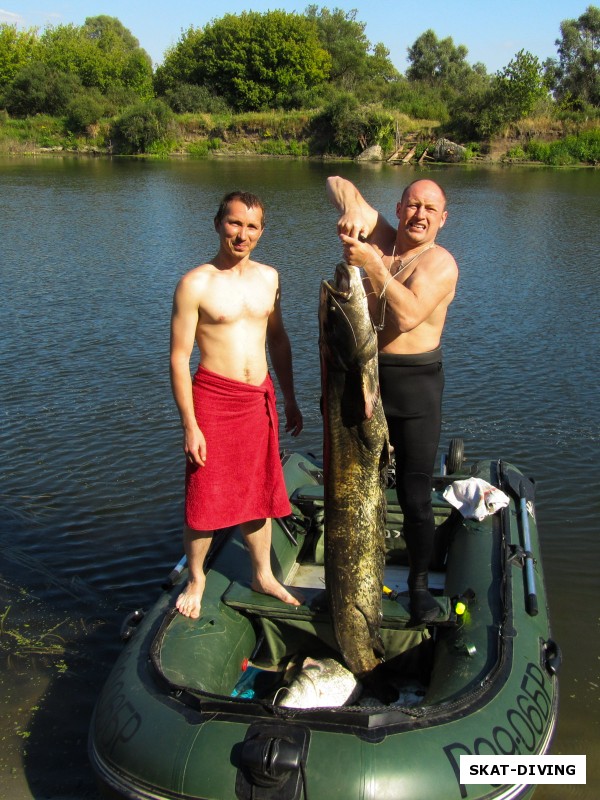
<point x="436" y="273"/>
<point x="196" y="278"/>
<point x="200" y="272"/>
<point x="266" y="272"/>
<point x="444" y="259"/>
<point x="438" y="260"/>
<point x="191" y="288"/>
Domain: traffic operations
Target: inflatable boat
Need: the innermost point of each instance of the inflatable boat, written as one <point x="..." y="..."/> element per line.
<point x="192" y="708"/>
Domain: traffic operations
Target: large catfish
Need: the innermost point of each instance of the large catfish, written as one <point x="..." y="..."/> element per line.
<point x="356" y="455"/>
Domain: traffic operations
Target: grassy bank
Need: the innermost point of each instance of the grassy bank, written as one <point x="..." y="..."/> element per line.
<point x="295" y="134"/>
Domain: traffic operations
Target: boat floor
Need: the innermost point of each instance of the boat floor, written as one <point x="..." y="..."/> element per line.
<point x="312" y="576"/>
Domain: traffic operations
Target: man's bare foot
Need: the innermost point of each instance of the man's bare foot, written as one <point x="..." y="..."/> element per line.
<point x="189" y="601"/>
<point x="275" y="589"/>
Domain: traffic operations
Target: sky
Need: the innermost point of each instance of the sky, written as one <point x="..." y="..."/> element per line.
<point x="493" y="31"/>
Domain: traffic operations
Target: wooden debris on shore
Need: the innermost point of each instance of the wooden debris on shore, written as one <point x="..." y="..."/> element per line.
<point x="403" y="154"/>
<point x="406" y="147"/>
<point x="406" y="153"/>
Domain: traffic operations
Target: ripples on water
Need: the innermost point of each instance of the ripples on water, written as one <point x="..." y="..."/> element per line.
<point x="91" y="476"/>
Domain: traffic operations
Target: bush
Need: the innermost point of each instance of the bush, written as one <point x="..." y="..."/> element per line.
<point x="143" y="127"/>
<point x="85" y="110"/>
<point x="336" y="129"/>
<point x="203" y="148"/>
<point x="119" y="99"/>
<point x="39" y="89"/>
<point x="516" y="154"/>
<point x="191" y="98"/>
<point x="282" y="147"/>
<point x="582" y="148"/>
<point x="586" y="146"/>
<point x="345" y="128"/>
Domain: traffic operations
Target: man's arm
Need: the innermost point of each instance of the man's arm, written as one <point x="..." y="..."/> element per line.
<point x="280" y="352"/>
<point x="358" y="219"/>
<point x="184" y="319"/>
<point x="430" y="286"/>
<point x="413" y="302"/>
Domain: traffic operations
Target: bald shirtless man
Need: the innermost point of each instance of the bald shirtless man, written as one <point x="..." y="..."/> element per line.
<point x="410" y="283"/>
<point x="230" y="307"/>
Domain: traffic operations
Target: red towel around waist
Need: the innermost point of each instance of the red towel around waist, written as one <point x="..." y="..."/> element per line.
<point x="242" y="479"/>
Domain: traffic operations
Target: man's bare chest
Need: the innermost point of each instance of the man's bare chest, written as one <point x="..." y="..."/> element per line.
<point x="235" y="302"/>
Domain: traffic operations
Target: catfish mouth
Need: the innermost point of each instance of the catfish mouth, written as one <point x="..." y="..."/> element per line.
<point x="341" y="286"/>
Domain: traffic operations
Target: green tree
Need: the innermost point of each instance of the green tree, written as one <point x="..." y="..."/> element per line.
<point x="439" y="62"/>
<point x="575" y="76"/>
<point x="142" y="127"/>
<point x="17" y="49"/>
<point x="180" y="63"/>
<point x="379" y="65"/>
<point x="517" y="89"/>
<point x="513" y="94"/>
<point x="102" y="52"/>
<point x="40" y="89"/>
<point x="353" y="59"/>
<point x="252" y="60"/>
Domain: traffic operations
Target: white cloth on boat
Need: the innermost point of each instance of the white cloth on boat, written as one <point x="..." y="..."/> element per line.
<point x="475" y="498"/>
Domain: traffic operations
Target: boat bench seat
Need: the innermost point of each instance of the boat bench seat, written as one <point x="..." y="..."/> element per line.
<point x="396" y="614"/>
<point x="309" y="498"/>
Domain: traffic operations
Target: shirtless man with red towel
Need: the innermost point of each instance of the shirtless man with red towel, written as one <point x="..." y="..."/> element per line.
<point x="230" y="307"/>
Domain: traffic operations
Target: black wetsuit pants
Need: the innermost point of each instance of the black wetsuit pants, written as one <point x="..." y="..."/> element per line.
<point x="411" y="390"/>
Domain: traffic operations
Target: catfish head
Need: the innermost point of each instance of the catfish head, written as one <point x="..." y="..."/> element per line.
<point x="347" y="338"/>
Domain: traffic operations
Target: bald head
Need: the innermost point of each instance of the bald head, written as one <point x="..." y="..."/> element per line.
<point x="422" y="185"/>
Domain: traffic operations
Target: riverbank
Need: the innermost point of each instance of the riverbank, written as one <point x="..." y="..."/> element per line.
<point x="294" y="135"/>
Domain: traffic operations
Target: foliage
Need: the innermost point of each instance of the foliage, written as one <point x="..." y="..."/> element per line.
<point x="189" y="97"/>
<point x="575" y="76"/>
<point x="465" y="113"/>
<point x="17" y="49"/>
<point x="441" y="62"/>
<point x="23" y="135"/>
<point x="252" y="60"/>
<point x="345" y="128"/>
<point x="416" y="99"/>
<point x="343" y="37"/>
<point x="516" y="154"/>
<point x="85" y="110"/>
<point x="515" y="92"/>
<point x="203" y="148"/>
<point x="282" y="147"/>
<point x="276" y="79"/>
<point x="102" y="52"/>
<point x="179" y="63"/>
<point x="40" y="89"/>
<point x="143" y="127"/>
<point x="380" y="68"/>
<point x="119" y="98"/>
<point x="581" y="148"/>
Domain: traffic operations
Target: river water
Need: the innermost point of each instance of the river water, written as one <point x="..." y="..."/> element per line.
<point x="91" y="473"/>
